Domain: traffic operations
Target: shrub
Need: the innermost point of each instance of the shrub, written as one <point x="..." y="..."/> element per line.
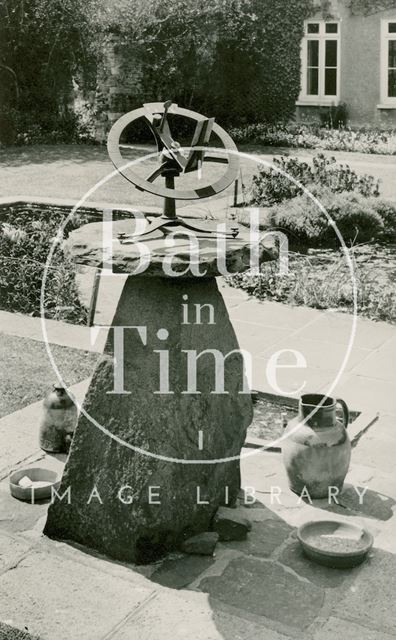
<point x="314" y="136"/>
<point x="25" y="241"/>
<point x="306" y="225"/>
<point x="387" y="211"/>
<point x="269" y="186"/>
<point x="18" y="127"/>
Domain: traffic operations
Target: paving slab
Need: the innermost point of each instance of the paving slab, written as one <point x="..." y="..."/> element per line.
<point x="291" y="380"/>
<point x="377" y="452"/>
<point x="257" y="338"/>
<point x="379" y="364"/>
<point x="12" y="550"/>
<point x="339" y="628"/>
<point x="52" y="595"/>
<point x="58" y="332"/>
<point x="274" y="314"/>
<point x="264" y="538"/>
<point x="181" y="571"/>
<point x="233" y="628"/>
<point x="335" y="328"/>
<point x="317" y="354"/>
<point x="266" y="588"/>
<point x="170" y="615"/>
<point x="325" y="577"/>
<point x="370" y="601"/>
<point x="15" y="515"/>
<point x="362" y="392"/>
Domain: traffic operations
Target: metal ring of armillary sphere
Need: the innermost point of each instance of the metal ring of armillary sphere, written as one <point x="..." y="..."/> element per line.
<point x="174" y="161"/>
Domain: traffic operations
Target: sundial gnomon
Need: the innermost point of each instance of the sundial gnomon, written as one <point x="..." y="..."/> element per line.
<point x="174" y="161"/>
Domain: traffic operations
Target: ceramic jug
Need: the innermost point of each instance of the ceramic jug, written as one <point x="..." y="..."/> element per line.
<point x="58" y="421"/>
<point x="317" y="450"/>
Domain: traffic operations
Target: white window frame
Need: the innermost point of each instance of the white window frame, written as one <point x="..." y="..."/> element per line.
<point x="386" y="101"/>
<point x="322" y="36"/>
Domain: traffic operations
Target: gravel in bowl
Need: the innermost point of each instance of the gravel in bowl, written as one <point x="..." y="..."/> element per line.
<point x="335" y="543"/>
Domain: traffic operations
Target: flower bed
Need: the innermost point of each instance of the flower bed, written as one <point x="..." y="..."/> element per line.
<point x="304" y="136"/>
<point x="26" y="236"/>
<point x="321" y="279"/>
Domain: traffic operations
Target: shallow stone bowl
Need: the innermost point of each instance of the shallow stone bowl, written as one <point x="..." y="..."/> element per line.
<point x="35" y="474"/>
<point x="314" y="535"/>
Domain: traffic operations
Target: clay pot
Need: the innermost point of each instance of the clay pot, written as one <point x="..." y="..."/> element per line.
<point x="317" y="454"/>
<point x="58" y="421"/>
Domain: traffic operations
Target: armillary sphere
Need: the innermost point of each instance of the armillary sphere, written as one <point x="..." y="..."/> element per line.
<point x="174" y="161"/>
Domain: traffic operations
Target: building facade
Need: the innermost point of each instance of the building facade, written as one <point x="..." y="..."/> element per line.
<point x="351" y="59"/>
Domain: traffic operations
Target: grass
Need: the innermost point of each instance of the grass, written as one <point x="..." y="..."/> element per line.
<point x="11" y="633"/>
<point x="26" y="374"/>
<point x="68" y="171"/>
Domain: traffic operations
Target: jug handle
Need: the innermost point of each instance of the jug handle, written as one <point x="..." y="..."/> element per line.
<point x="345" y="411"/>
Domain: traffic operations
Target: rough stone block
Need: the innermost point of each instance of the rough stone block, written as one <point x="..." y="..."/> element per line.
<point x="202" y="544"/>
<point x="162" y="499"/>
<point x="230" y="524"/>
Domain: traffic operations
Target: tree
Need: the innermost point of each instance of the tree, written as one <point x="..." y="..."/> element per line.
<point x="43" y="45"/>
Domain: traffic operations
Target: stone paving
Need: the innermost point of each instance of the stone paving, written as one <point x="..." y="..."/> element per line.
<point x="262" y="588"/>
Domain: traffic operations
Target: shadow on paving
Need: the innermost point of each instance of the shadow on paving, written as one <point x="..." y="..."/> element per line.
<point x="263" y="581"/>
<point x="372" y="505"/>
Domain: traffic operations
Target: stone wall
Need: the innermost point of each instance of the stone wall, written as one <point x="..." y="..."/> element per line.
<point x="119" y="86"/>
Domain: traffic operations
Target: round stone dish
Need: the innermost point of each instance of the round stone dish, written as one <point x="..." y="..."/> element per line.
<point x="35" y="474"/>
<point x="335" y="543"/>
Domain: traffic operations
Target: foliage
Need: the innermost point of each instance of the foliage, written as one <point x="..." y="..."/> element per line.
<point x="296" y="135"/>
<point x="44" y="45"/>
<point x="322" y="280"/>
<point x="307" y="225"/>
<point x="369" y="7"/>
<point x="16" y="127"/>
<point x="25" y="241"/>
<point x="230" y="57"/>
<point x="273" y="185"/>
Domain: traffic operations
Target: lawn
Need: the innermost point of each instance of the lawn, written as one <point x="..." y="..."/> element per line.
<point x="68" y="171"/>
<point x="26" y="374"/>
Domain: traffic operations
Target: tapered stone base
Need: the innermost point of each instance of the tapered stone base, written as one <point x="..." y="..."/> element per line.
<point x="103" y="474"/>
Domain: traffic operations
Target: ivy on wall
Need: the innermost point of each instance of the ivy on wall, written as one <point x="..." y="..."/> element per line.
<point x="238" y="59"/>
<point x="369" y="7"/>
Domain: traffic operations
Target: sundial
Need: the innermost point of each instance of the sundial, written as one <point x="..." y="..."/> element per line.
<point x="174" y="162"/>
<point x="157" y="445"/>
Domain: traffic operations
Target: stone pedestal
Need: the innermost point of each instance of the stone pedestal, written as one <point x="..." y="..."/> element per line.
<point x="136" y="505"/>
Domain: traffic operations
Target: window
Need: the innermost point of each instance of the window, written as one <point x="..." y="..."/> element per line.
<point x="320" y="52"/>
<point x="388" y="63"/>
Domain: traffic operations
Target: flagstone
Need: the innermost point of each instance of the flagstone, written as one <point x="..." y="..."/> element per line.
<point x="53" y="595"/>
<point x="267" y="589"/>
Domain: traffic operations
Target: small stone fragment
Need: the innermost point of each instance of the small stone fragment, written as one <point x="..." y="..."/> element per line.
<point x="202" y="544"/>
<point x="230" y="524"/>
<point x="25" y="482"/>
